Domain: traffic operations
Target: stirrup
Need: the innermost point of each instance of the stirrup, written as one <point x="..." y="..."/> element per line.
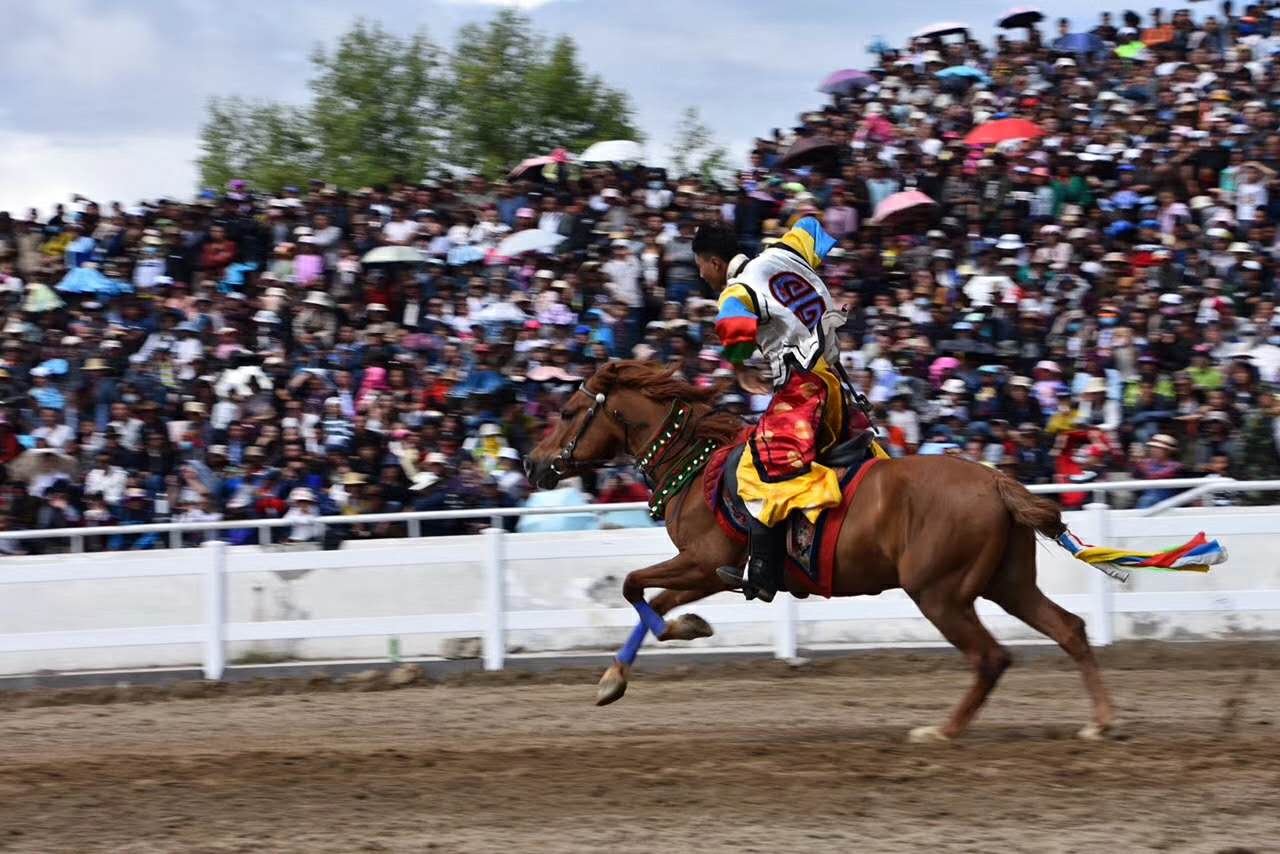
<point x="737" y="580"/>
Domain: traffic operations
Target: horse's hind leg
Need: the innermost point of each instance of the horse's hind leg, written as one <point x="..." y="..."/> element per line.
<point x="1014" y="589"/>
<point x="959" y="624"/>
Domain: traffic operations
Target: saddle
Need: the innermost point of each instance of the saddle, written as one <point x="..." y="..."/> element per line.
<point x="811" y="547"/>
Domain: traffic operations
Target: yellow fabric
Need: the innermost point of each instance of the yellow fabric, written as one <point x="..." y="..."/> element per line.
<point x="803" y="242"/>
<point x="1102" y="554"/>
<point x="878" y="451"/>
<point x="735" y="291"/>
<point x="811" y="492"/>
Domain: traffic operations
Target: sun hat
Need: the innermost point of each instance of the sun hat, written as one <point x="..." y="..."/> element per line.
<point x="1163" y="440"/>
<point x="302" y="494"/>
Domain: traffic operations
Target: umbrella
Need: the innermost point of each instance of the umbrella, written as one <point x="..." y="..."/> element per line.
<point x="501" y="312"/>
<point x="90" y="280"/>
<point x="963" y="72"/>
<point x="41" y="298"/>
<point x="540" y="163"/>
<point x="392" y="255"/>
<point x="1000" y="130"/>
<point x="462" y="255"/>
<point x="529" y="240"/>
<point x="1019" y="16"/>
<point x="1132" y="50"/>
<point x="808" y="151"/>
<point x="30" y="464"/>
<point x="1082" y="43"/>
<point x="845" y="82"/>
<point x="937" y="31"/>
<point x="613" y="151"/>
<point x="903" y="207"/>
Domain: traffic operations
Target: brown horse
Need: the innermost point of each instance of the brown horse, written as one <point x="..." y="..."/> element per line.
<point x="945" y="530"/>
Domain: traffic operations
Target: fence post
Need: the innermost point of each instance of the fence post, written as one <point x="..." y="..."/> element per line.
<point x="784" y="627"/>
<point x="175" y="539"/>
<point x="77" y="545"/>
<point x="215" y="610"/>
<point x="495" y="604"/>
<point x="264" y="535"/>
<point x="414" y="530"/>
<point x="1101" y="628"/>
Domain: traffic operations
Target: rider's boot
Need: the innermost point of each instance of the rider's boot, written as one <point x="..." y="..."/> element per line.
<point x="768" y="553"/>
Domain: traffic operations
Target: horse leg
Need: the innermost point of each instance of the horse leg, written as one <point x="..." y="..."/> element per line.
<point x="1014" y="589"/>
<point x="686" y="626"/>
<point x="959" y="624"/>
<point x="690" y="582"/>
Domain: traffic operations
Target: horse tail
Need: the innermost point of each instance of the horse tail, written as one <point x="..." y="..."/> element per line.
<point x="1036" y="513"/>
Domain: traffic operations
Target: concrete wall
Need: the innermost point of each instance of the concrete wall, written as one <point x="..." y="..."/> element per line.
<point x="412" y="582"/>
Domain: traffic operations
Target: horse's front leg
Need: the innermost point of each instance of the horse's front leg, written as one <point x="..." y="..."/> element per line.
<point x="687" y="581"/>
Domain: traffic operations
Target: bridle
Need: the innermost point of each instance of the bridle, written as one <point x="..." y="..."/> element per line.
<point x="564" y="464"/>
<point x="671" y="446"/>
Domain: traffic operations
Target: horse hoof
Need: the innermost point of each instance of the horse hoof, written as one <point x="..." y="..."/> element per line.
<point x="928" y="735"/>
<point x="1092" y="732"/>
<point x="687" y="627"/>
<point x="610" y="691"/>
<point x="613" y="684"/>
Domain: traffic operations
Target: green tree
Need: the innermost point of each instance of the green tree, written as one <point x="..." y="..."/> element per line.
<point x="517" y="98"/>
<point x="695" y="151"/>
<point x="378" y="106"/>
<point x="384" y="106"/>
<point x="266" y="144"/>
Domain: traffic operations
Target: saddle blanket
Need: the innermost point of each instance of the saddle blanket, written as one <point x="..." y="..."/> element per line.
<point x="811" y="548"/>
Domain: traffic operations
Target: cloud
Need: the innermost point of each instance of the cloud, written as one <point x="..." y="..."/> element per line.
<point x="526" y="5"/>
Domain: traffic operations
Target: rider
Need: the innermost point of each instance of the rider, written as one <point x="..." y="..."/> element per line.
<point x="776" y="303"/>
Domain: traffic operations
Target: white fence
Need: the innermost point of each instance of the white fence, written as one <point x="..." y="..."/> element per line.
<point x="483" y="610"/>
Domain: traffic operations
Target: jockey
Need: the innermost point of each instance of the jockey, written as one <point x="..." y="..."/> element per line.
<point x="777" y="304"/>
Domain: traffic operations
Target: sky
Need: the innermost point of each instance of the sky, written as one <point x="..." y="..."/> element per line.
<point x="106" y="97"/>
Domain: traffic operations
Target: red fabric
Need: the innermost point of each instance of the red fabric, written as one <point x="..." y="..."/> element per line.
<point x="713" y="479"/>
<point x="786" y="439"/>
<point x="834" y="520"/>
<point x="216" y="255"/>
<point x="1166" y="560"/>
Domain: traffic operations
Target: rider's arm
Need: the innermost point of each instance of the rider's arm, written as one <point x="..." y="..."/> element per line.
<point x="737" y="323"/>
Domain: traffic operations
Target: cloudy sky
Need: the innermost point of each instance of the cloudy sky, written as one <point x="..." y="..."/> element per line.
<point x="104" y="97"/>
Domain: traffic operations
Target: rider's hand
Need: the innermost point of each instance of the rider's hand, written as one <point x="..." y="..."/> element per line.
<point x="750" y="380"/>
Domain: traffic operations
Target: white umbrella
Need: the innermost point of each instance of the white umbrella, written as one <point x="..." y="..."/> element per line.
<point x="392" y="255"/>
<point x="31" y="464"/>
<point x="529" y="240"/>
<point x="938" y="30"/>
<point x="500" y="312"/>
<point x="614" y="151"/>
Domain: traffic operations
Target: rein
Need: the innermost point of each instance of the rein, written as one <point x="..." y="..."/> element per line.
<point x="666" y="438"/>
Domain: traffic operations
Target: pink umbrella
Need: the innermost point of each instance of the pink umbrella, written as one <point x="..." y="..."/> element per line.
<point x="903" y="207"/>
<point x="940" y="364"/>
<point x="528" y="165"/>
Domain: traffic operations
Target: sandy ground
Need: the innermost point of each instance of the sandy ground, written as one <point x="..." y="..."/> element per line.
<point x="747" y="757"/>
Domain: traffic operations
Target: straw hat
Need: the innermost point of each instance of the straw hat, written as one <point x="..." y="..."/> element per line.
<point x="354" y="478"/>
<point x="1163" y="440"/>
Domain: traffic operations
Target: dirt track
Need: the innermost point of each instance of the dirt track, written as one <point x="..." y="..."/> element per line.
<point x="526" y="764"/>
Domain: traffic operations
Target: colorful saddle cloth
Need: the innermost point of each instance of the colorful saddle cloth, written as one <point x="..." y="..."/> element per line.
<point x="811" y="547"/>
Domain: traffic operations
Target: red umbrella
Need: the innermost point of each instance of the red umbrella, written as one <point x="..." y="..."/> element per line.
<point x="903" y="207"/>
<point x="1001" y="130"/>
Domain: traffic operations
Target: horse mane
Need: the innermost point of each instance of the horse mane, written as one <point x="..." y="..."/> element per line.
<point x="657" y="382"/>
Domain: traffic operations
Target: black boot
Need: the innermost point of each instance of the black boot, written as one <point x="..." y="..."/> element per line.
<point x="765" y="565"/>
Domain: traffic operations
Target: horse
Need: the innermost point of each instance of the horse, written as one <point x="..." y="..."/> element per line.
<point x="944" y="529"/>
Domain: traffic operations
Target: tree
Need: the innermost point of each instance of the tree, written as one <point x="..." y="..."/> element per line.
<point x="488" y="70"/>
<point x="695" y="151"/>
<point x="517" y="98"/>
<point x="379" y="106"/>
<point x="266" y="144"/>
<point x="384" y="106"/>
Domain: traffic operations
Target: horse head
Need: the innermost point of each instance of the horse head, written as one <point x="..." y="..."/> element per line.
<point x="610" y="416"/>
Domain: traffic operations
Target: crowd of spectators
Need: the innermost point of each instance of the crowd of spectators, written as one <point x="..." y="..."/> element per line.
<point x="1098" y="302"/>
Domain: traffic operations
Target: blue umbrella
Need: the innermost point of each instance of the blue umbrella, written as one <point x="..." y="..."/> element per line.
<point x="462" y="255"/>
<point x="90" y="280"/>
<point x="1081" y="43"/>
<point x="963" y="73"/>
